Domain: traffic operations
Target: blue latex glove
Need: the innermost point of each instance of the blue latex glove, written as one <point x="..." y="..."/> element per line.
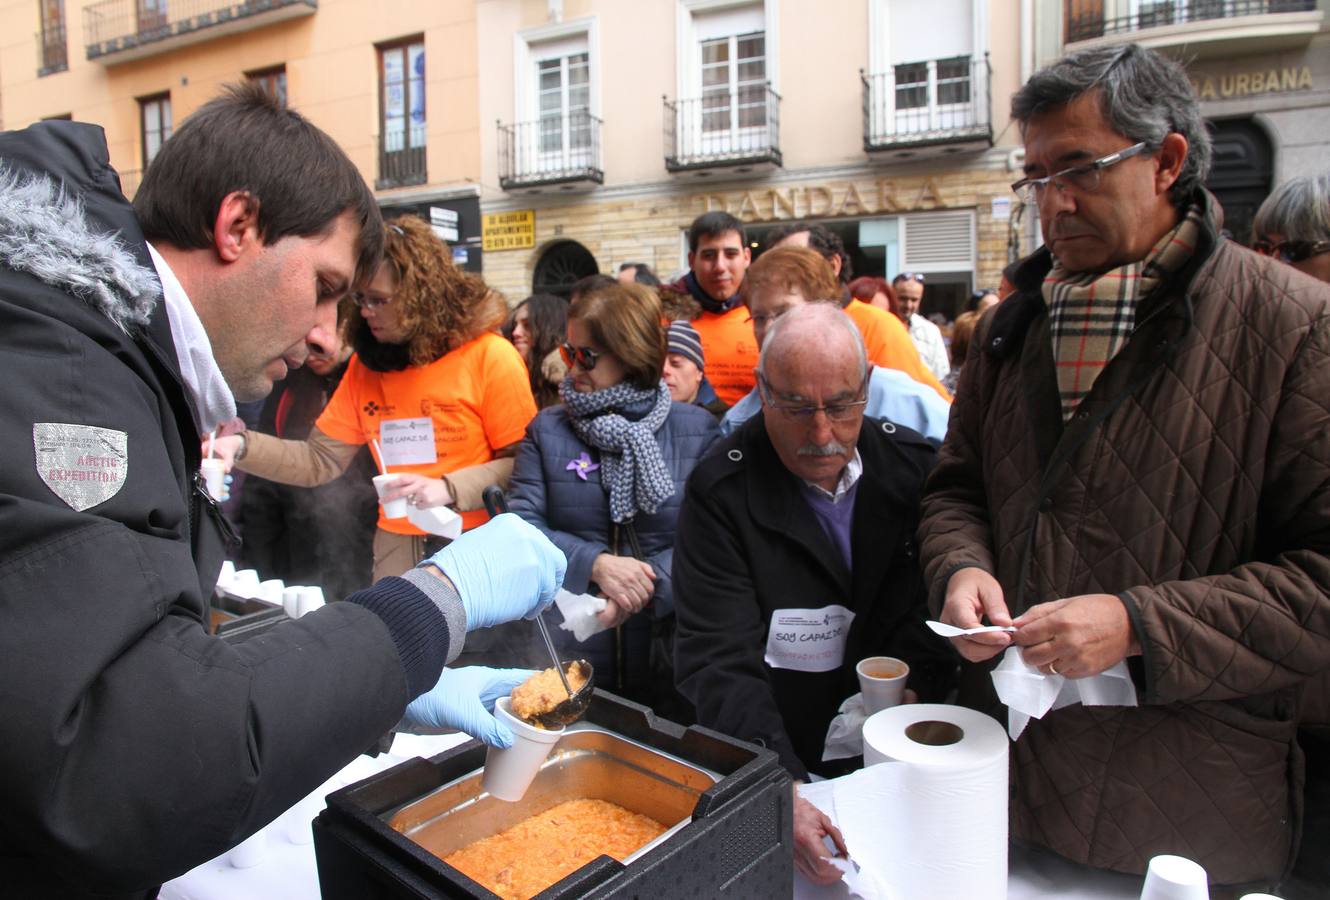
<point x="464" y="700"/>
<point x="504" y="570"/>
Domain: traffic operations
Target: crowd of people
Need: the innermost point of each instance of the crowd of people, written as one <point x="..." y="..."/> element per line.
<point x="1123" y="452"/>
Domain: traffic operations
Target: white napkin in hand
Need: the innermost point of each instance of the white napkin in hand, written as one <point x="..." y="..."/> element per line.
<point x="579" y="613"/>
<point x="1029" y="693"/>
<point x="845" y="734"/>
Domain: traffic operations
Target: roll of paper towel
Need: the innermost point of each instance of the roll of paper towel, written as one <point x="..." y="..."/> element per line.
<point x="939" y="804"/>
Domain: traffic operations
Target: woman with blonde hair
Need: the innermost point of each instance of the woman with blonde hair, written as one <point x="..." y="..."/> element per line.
<point x="432" y="382"/>
<point x="602" y="474"/>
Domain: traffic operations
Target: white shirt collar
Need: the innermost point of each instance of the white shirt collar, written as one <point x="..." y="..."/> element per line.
<point x="849" y="476"/>
<point x="209" y="395"/>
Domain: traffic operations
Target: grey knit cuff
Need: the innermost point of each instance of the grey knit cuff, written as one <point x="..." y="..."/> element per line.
<point x="449" y="603"/>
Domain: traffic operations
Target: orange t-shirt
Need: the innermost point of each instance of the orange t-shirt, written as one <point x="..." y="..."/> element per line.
<point x="473" y="400"/>
<point x="889" y="345"/>
<point x="730" y="352"/>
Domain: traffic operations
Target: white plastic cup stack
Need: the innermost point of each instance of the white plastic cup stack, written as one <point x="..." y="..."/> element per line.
<point x="227" y="575"/>
<point x="508" y="773"/>
<point x="1175" y="878"/>
<point x="249" y="852"/>
<point x="311" y="598"/>
<point x="291" y="601"/>
<point x="245" y="583"/>
<point x="392" y="509"/>
<point x="271" y="591"/>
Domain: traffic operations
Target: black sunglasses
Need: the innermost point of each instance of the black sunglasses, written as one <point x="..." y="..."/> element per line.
<point x="1291" y="251"/>
<point x="583" y="357"/>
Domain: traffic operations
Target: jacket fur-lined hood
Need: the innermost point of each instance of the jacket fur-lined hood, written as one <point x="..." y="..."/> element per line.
<point x="45" y="233"/>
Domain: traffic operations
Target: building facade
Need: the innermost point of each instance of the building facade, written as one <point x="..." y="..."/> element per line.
<point x="1261" y="69"/>
<point x="394" y="83"/>
<point x="615" y="124"/>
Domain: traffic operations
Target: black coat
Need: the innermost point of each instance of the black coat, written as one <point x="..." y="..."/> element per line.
<point x="134" y="746"/>
<point x="748" y="545"/>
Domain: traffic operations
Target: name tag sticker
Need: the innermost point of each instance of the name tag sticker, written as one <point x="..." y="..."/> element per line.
<point x="808" y="640"/>
<point x="408" y="442"/>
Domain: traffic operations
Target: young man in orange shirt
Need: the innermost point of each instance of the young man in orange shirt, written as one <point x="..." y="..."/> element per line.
<point x="718" y="258"/>
<point x="885" y="338"/>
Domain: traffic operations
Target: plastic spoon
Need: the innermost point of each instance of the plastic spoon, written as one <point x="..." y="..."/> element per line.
<point x="950" y="631"/>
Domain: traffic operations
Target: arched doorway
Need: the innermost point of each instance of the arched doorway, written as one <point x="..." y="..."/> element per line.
<point x="1240" y="172"/>
<point x="561" y="266"/>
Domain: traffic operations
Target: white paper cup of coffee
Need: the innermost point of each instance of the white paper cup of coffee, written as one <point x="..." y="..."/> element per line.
<point x="214" y="477"/>
<point x="1175" y="878"/>
<point x="508" y="773"/>
<point x="251" y="851"/>
<point x="882" y="681"/>
<point x="392" y="509"/>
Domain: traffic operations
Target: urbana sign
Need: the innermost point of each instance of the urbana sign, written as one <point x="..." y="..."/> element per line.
<point x="1260" y="81"/>
<point x="821" y="200"/>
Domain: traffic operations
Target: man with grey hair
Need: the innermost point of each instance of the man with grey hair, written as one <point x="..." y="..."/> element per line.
<point x="795" y="558"/>
<point x="1293" y="225"/>
<point x="1136" y="476"/>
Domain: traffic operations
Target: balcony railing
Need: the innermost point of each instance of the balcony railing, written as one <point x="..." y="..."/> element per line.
<point x="52" y="50"/>
<point x="553" y="150"/>
<point x="401" y="158"/>
<point x="129" y="182"/>
<point x="723" y="129"/>
<point x="127" y="29"/>
<point x="1085" y="18"/>
<point x="935" y="101"/>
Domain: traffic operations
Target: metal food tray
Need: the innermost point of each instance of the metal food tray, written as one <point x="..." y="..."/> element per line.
<point x="588" y="763"/>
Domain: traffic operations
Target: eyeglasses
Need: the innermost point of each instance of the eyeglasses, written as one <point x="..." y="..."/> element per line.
<point x="836" y="412"/>
<point x="1083" y="178"/>
<point x="370" y="302"/>
<point x="1291" y="251"/>
<point x="909" y="276"/>
<point x="583" y="357"/>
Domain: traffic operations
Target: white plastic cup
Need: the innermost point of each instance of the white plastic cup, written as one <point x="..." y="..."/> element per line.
<point x="1175" y="878"/>
<point x="227" y="575"/>
<point x="508" y="773"/>
<point x="882" y="681"/>
<point x="245" y="583"/>
<point x="291" y="601"/>
<point x="393" y="509"/>
<point x="214" y="477"/>
<point x="249" y="852"/>
<point x="271" y="591"/>
<point x="311" y="598"/>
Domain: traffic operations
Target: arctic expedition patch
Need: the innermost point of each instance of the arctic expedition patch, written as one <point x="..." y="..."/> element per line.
<point x="83" y="465"/>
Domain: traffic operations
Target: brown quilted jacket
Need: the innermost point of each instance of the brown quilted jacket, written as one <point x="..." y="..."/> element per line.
<point x="1194" y="483"/>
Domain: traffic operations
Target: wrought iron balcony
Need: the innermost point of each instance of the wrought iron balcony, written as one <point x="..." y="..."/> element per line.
<point x="561" y="151"/>
<point x="129" y="182"/>
<point x="120" y="30"/>
<point x="401" y="158"/>
<point x="52" y="50"/>
<point x="942" y="103"/>
<point x="1085" y="18"/>
<point x="723" y="129"/>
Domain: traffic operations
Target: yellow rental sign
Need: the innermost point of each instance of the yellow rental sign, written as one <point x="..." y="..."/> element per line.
<point x="508" y="230"/>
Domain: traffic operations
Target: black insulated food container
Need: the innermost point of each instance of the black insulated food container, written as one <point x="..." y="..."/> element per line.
<point x="727" y="807"/>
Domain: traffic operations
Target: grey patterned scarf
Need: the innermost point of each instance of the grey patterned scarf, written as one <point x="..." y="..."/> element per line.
<point x="631" y="467"/>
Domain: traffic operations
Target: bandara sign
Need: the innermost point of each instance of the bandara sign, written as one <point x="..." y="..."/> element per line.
<point x="822" y="200"/>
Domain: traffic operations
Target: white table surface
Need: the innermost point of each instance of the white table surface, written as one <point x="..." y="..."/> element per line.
<point x="288" y="870"/>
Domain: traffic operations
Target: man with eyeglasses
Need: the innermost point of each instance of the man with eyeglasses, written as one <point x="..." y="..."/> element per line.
<point x="927" y="337"/>
<point x="795" y="558"/>
<point x="1136" y="476"/>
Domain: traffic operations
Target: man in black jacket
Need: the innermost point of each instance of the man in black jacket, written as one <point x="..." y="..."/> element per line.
<point x="795" y="558"/>
<point x="134" y="746"/>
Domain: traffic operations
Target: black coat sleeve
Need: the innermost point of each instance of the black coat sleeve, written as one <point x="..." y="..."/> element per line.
<point x="722" y="630"/>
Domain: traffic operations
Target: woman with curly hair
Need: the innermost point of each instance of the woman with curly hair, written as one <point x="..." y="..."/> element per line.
<point x="536" y="330"/>
<point x="444" y="395"/>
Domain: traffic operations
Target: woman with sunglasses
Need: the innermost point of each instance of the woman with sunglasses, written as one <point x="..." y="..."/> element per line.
<point x="1293" y="225"/>
<point x="602" y="475"/>
<point x="432" y="382"/>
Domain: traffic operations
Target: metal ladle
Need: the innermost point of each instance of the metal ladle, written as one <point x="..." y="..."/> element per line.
<point x="567" y="711"/>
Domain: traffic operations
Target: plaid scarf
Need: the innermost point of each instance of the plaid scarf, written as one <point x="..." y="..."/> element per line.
<point x="1091" y="315"/>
